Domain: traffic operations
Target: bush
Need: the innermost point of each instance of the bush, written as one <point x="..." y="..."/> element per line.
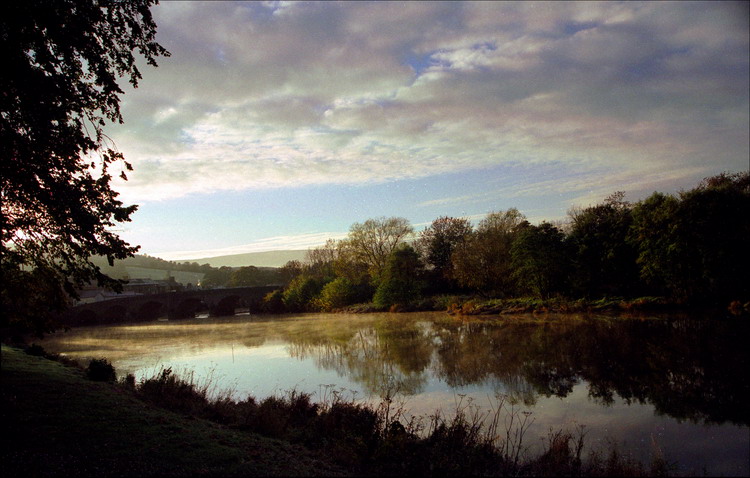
<point x="273" y="302"/>
<point x="341" y="292"/>
<point x="100" y="370"/>
<point x="36" y="350"/>
<point x="300" y="293"/>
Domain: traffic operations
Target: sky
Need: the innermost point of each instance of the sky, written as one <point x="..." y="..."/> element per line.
<point x="278" y="125"/>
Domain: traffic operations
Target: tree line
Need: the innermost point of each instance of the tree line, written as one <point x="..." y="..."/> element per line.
<point x="690" y="248"/>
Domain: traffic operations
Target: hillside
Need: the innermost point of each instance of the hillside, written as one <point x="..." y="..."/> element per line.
<point x="257" y="259"/>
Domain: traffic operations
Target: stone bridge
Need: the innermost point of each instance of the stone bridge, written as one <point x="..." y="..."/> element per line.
<point x="170" y="305"/>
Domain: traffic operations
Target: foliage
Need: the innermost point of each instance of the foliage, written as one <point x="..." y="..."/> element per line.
<point x="437" y="242"/>
<point x="35" y="350"/>
<point x="540" y="259"/>
<point x="217" y="277"/>
<point x="341" y="292"/>
<point x="373" y="241"/>
<point x="604" y="261"/>
<point x="401" y="282"/>
<point x="349" y="265"/>
<point x="289" y="271"/>
<point x="649" y="233"/>
<point x="319" y="261"/>
<point x="100" y="370"/>
<point x="298" y="296"/>
<point x="62" y="61"/>
<point x="483" y="261"/>
<point x="273" y="302"/>
<point x="251" y="276"/>
<point x="695" y="246"/>
<point x="30" y="298"/>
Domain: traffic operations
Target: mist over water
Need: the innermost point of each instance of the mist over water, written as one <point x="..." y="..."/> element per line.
<point x="674" y="385"/>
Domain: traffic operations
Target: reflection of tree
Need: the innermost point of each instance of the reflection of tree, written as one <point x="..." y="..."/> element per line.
<point x="687" y="369"/>
<point x="385" y="359"/>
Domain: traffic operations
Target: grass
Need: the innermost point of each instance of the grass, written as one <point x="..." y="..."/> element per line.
<point x="56" y="422"/>
<point x="63" y="424"/>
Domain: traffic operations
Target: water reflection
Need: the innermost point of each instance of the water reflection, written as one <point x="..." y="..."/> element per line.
<point x="687" y="369"/>
<point x="614" y="374"/>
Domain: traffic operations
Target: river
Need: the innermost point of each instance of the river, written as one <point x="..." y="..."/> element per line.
<point x="675" y="386"/>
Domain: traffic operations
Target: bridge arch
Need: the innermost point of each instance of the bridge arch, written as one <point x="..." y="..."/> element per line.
<point x="187" y="308"/>
<point x="150" y="310"/>
<point x="115" y="313"/>
<point x="86" y="317"/>
<point x="227" y="305"/>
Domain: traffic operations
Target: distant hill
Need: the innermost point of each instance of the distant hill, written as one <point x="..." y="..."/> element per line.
<point x="192" y="270"/>
<point x="257" y="259"/>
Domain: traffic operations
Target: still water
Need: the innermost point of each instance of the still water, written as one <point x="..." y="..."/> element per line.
<point x="675" y="386"/>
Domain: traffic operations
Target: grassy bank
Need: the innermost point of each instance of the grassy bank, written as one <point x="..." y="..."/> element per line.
<point x="58" y="422"/>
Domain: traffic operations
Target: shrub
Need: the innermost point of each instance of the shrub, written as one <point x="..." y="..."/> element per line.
<point x="300" y="293"/>
<point x="342" y="292"/>
<point x="129" y="381"/>
<point x="100" y="370"/>
<point x="36" y="350"/>
<point x="335" y="294"/>
<point x="273" y="302"/>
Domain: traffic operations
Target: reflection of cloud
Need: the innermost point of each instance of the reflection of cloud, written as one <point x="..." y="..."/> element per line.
<point x="263" y="96"/>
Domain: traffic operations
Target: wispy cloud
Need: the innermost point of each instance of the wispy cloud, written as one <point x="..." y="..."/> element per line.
<point x="276" y="95"/>
<point x="277" y="243"/>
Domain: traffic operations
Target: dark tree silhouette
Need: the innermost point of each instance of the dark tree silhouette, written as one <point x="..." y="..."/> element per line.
<point x="437" y="243"/>
<point x="59" y="87"/>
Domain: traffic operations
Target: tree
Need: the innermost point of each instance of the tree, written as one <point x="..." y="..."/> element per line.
<point x="349" y="265"/>
<point x="251" y="276"/>
<point x="657" y="252"/>
<point x="605" y="262"/>
<point x="299" y="295"/>
<point x="217" y="277"/>
<point x="400" y="282"/>
<point x="694" y="246"/>
<point x="341" y="292"/>
<point x="483" y="261"/>
<point x="437" y="243"/>
<point x="319" y="260"/>
<point x="373" y="241"/>
<point x="62" y="61"/>
<point x="714" y="218"/>
<point x="289" y="271"/>
<point x="540" y="259"/>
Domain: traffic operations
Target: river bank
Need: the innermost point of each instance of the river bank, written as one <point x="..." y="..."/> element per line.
<point x="56" y="422"/>
<point x="476" y="305"/>
<point x="63" y="424"/>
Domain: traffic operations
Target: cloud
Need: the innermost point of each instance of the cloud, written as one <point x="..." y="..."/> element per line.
<point x="269" y="95"/>
<point x="276" y="243"/>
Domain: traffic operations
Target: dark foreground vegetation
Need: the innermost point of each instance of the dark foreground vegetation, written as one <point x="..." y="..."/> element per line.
<point x="70" y="421"/>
